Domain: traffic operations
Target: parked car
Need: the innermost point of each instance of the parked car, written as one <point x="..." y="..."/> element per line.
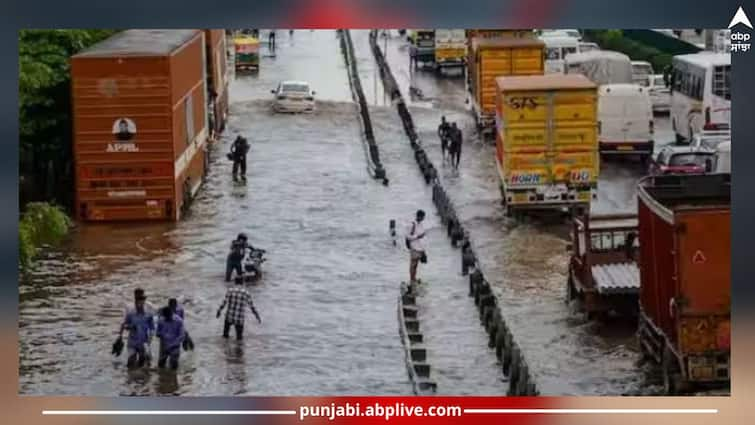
<point x="682" y="160"/>
<point x="710" y="139"/>
<point x="660" y="95"/>
<point x="294" y="96"/>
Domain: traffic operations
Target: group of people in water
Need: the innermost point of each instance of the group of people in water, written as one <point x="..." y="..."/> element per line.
<point x="168" y="326"/>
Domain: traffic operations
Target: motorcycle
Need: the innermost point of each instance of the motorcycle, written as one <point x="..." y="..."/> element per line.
<point x="253" y="264"/>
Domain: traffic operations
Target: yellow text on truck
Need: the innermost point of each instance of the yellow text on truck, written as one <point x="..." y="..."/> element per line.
<point x="494" y="57"/>
<point x="546" y="142"/>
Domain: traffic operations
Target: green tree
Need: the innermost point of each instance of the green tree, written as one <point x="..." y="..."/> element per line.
<point x="45" y="160"/>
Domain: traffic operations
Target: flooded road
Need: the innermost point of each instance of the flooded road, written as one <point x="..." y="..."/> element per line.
<point x="526" y="263"/>
<point x="329" y="292"/>
<point x="328" y="296"/>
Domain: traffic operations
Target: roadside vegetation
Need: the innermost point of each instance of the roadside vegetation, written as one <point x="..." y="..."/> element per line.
<point x="616" y="40"/>
<point x="41" y="225"/>
<point x="45" y="158"/>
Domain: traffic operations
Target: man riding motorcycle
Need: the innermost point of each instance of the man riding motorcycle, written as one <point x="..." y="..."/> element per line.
<point x="239" y="246"/>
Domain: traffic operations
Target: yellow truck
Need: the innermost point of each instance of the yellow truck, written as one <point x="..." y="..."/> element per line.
<point x="547" y="142"/>
<point x="494" y="57"/>
<point x="450" y="48"/>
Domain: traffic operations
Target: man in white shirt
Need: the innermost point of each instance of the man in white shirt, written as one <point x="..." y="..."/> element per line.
<point x="414" y="237"/>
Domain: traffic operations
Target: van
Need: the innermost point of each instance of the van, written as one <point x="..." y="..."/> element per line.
<point x="625" y="120"/>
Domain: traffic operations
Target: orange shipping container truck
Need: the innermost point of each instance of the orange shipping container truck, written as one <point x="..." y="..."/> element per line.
<point x="217" y="83"/>
<point x="140" y="124"/>
<point x="685" y="277"/>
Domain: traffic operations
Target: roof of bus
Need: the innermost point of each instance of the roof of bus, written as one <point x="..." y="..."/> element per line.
<point x="545" y="82"/>
<point x="706" y="58"/>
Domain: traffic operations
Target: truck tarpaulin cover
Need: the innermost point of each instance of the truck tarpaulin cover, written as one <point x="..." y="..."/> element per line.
<point x="601" y="66"/>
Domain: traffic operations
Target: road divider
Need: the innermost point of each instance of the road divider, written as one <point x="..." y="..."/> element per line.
<point x="513" y="365"/>
<point x="413" y="341"/>
<point x="373" y="154"/>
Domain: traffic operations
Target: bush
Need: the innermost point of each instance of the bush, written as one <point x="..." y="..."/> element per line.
<point x="42" y="224"/>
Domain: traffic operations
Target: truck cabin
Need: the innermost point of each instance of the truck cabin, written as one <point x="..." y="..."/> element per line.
<point x="606" y="239"/>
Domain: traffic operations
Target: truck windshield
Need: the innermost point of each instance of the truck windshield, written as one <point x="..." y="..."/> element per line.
<point x="607" y="241"/>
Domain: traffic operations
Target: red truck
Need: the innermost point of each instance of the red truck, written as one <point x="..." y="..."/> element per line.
<point x="685" y="272"/>
<point x="140" y="129"/>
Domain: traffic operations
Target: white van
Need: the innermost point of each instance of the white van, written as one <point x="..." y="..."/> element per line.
<point x="625" y="120"/>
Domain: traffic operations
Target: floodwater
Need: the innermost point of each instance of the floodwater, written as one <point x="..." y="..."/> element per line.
<point x="329" y="292"/>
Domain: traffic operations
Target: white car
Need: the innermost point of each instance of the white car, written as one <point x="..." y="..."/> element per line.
<point x="710" y="139"/>
<point x="660" y="95"/>
<point x="294" y="96"/>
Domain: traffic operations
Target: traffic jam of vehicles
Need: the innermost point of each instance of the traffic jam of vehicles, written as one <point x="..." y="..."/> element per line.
<point x="593" y="190"/>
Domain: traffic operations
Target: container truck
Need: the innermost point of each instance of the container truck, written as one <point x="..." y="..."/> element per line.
<point x="685" y="276"/>
<point x="450" y="48"/>
<point x="139" y="125"/>
<point x="217" y="81"/>
<point x="546" y="142"/>
<point x="493" y="57"/>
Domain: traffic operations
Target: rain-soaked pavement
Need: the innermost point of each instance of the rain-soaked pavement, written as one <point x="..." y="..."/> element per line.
<point x="328" y="296"/>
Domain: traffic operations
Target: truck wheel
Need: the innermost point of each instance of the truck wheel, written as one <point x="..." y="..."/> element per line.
<point x="672" y="376"/>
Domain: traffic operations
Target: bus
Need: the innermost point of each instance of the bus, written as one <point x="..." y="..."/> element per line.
<point x="700" y="86"/>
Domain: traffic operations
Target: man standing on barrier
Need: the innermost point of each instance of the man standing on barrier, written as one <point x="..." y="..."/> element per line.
<point x="414" y="244"/>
